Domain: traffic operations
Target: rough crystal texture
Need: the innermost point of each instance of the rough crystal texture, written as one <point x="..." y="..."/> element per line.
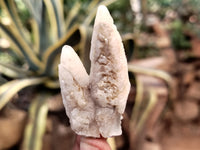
<point x="95" y="103"/>
<point x="74" y="82"/>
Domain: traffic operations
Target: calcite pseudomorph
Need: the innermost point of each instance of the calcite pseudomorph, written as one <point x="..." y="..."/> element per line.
<point x="95" y="103"/>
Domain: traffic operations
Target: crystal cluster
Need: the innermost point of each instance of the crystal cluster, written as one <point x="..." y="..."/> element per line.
<point x="95" y="103"/>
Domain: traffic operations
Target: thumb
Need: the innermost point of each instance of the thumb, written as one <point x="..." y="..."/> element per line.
<point x="87" y="143"/>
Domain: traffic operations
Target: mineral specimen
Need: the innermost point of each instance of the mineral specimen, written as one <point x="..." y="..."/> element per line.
<point x="95" y="103"/>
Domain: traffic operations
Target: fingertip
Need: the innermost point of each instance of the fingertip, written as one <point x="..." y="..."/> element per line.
<point x="77" y="143"/>
<point x="88" y="143"/>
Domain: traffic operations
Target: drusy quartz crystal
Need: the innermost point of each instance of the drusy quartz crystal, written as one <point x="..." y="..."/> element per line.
<point x="95" y="103"/>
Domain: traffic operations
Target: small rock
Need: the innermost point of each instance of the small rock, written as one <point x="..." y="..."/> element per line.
<point x="194" y="91"/>
<point x="151" y="146"/>
<point x="188" y="77"/>
<point x="195" y="42"/>
<point x="198" y="74"/>
<point x="186" y="110"/>
<point x="11" y="128"/>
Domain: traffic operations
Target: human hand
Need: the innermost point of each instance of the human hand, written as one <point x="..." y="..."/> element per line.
<point x="88" y="143"/>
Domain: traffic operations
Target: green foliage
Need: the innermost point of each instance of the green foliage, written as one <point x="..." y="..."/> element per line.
<point x="36" y="124"/>
<point x="179" y="40"/>
<point x="138" y="119"/>
<point x="182" y="7"/>
<point x="123" y="21"/>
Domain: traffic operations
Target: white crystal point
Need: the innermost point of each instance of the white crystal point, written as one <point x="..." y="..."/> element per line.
<point x="103" y="15"/>
<point x="109" y="81"/>
<point x="109" y="71"/>
<point x="71" y="61"/>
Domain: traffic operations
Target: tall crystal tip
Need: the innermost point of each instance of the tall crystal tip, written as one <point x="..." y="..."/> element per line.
<point x="102" y="8"/>
<point x="67" y="53"/>
<point x="103" y="15"/>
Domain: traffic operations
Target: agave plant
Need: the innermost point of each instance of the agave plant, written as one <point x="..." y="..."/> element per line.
<point x="40" y="46"/>
<point x="36" y="43"/>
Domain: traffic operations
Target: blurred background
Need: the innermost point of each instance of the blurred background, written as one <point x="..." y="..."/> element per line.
<point x="162" y="44"/>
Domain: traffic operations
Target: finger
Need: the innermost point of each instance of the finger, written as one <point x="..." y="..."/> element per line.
<point x="87" y="143"/>
<point x="77" y="143"/>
